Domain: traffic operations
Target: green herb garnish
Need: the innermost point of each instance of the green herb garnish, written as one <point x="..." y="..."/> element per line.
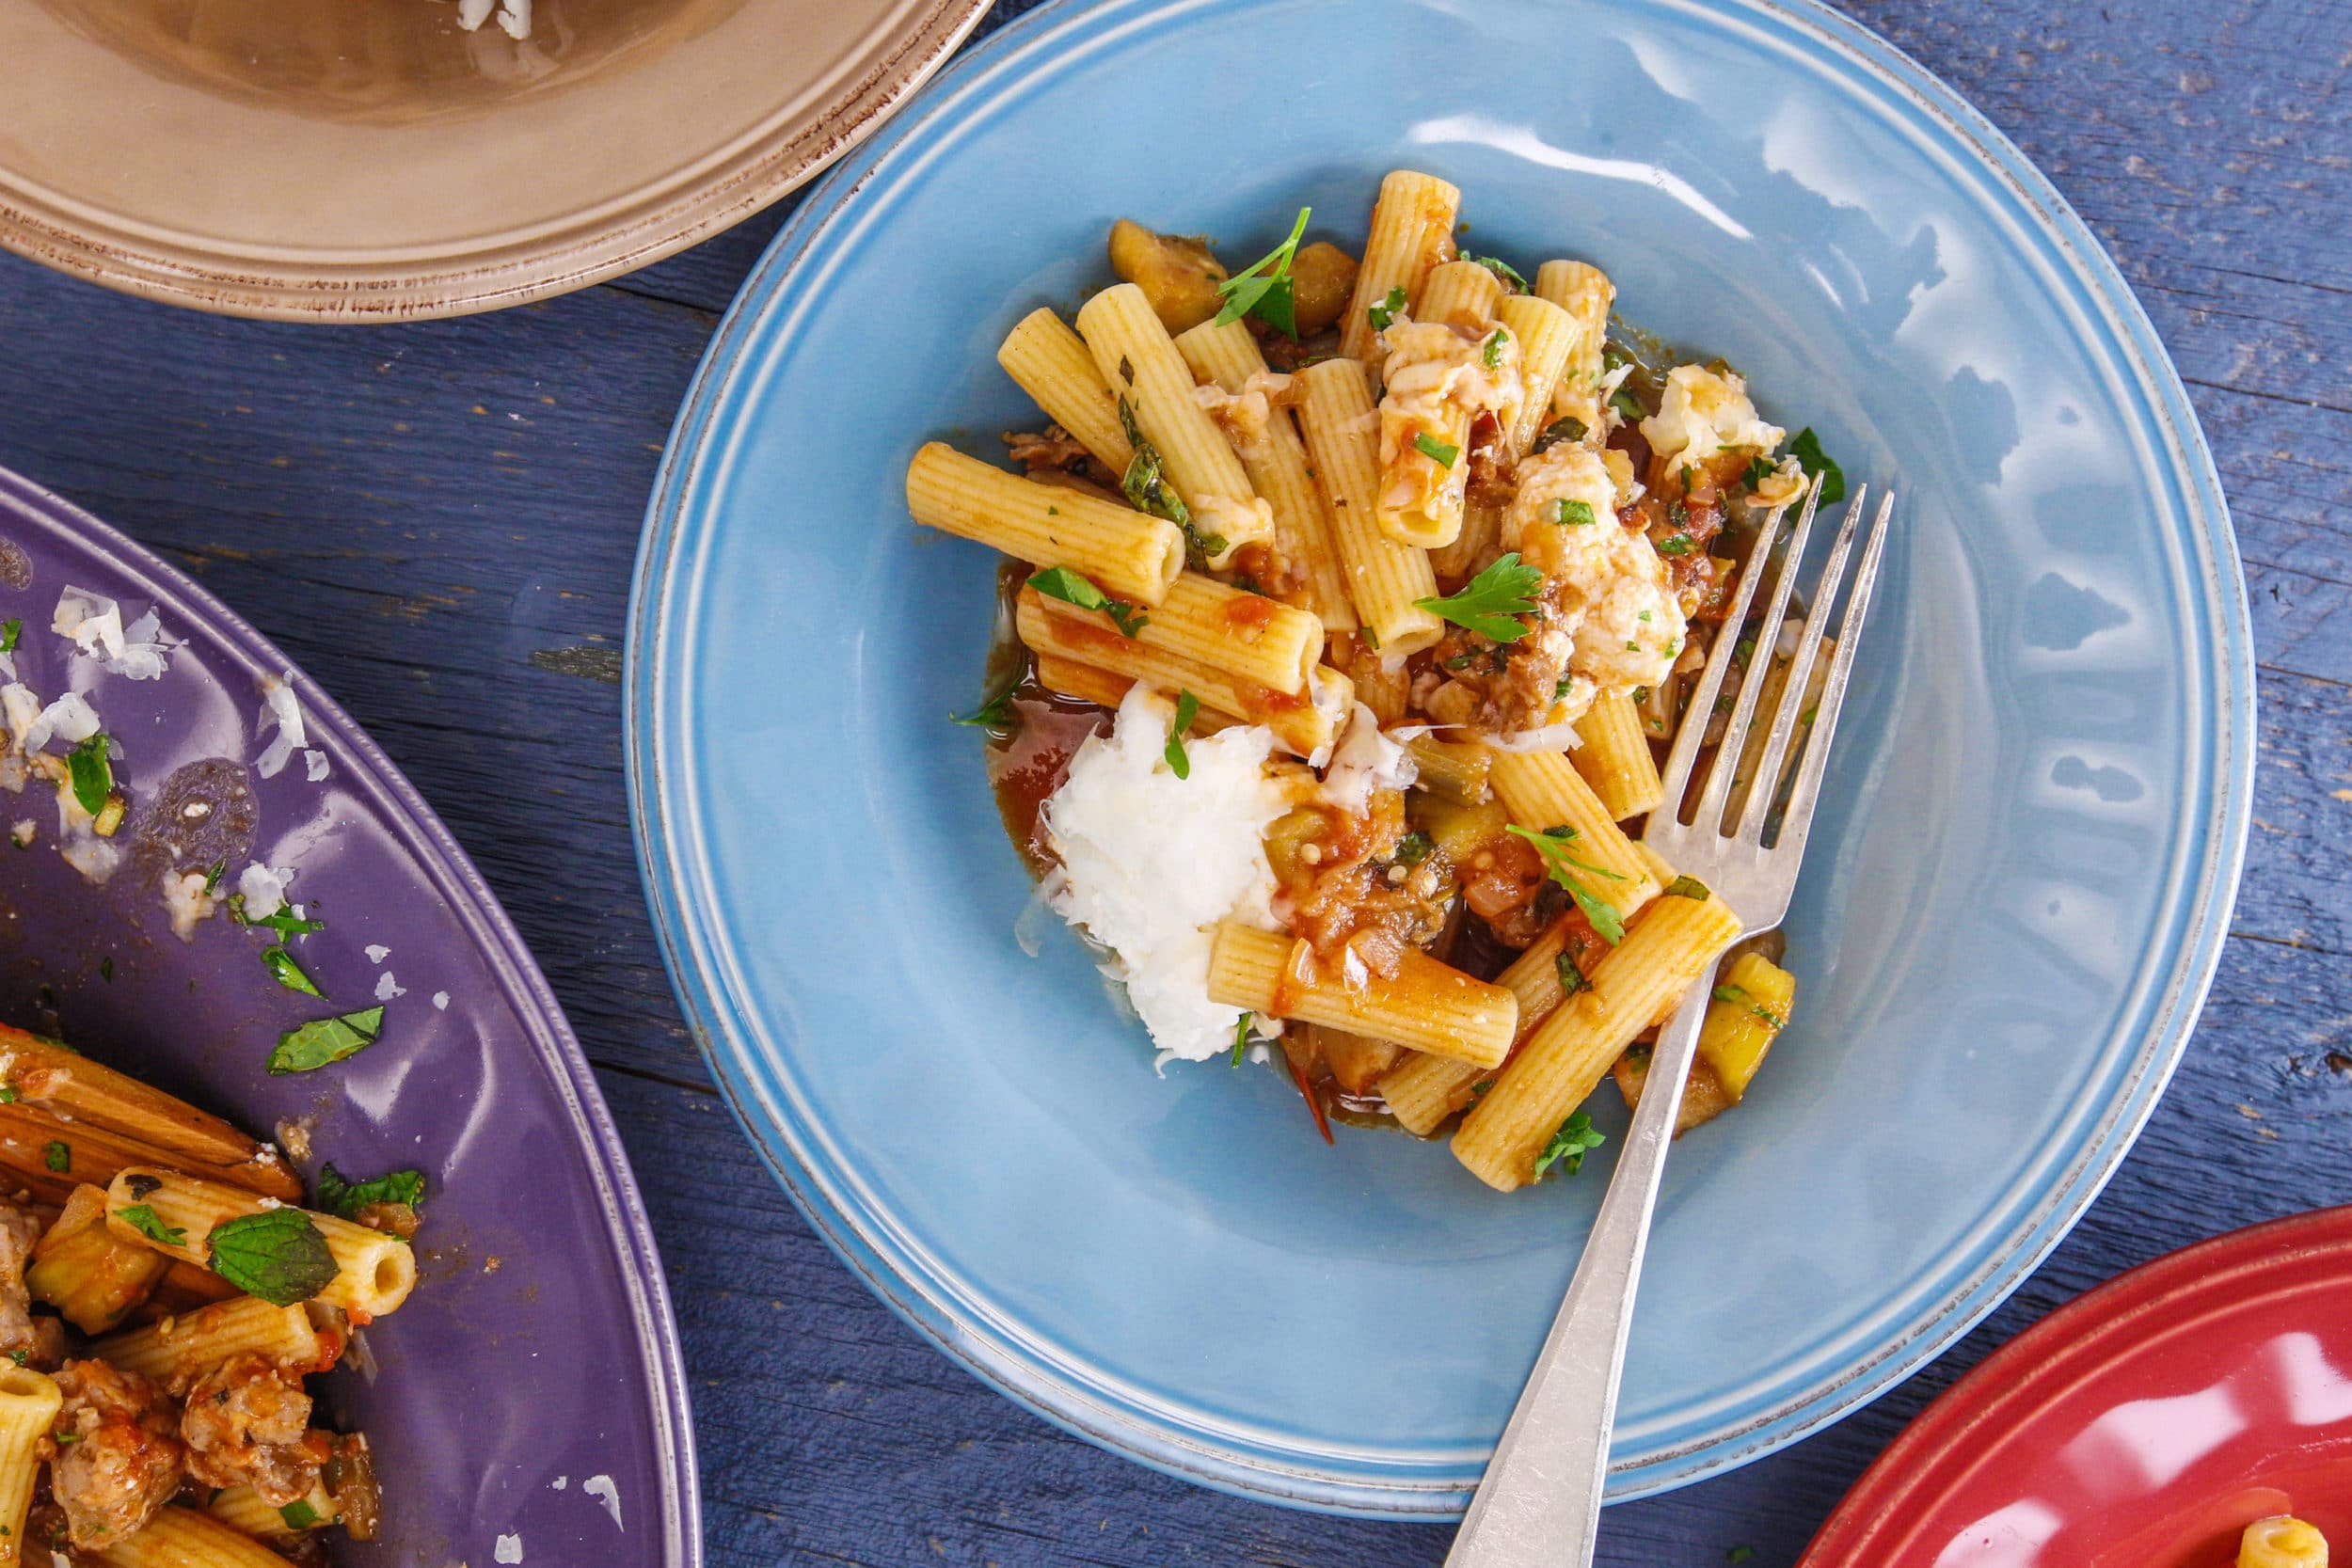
<point x="1503" y="270"/>
<point x="1060" y="582"/>
<point x="1263" y="288"/>
<point x="1688" y="887"/>
<point x="1626" y="404"/>
<point x="1187" y="709"/>
<point x="1145" y="483"/>
<point x="1380" y="315"/>
<point x="285" y="922"/>
<point x="11" y="629"/>
<point x="1573" y="513"/>
<point x="324" y="1041"/>
<point x="1806" y="449"/>
<point x="1739" y="998"/>
<point x="1561" y="866"/>
<point x="92" y="774"/>
<point x="142" y="1218"/>
<point x="996" y="715"/>
<point x="278" y="1255"/>
<point x="341" y="1195"/>
<point x="56" y="1156"/>
<point x="1491" y="601"/>
<point x="1413" y="849"/>
<point x="1567" y="428"/>
<point x="1760" y="469"/>
<point x="1241" y="1036"/>
<point x="1577" y="1136"/>
<point x="1571" y="978"/>
<point x="298" y="1515"/>
<point x="287" y="972"/>
<point x="1676" y="544"/>
<point x="1441" y="453"/>
<point x="1491" y="355"/>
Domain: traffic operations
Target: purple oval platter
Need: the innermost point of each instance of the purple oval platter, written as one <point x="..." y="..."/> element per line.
<point x="528" y="1403"/>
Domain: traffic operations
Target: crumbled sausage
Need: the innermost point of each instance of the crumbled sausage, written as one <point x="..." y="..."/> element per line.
<point x="247" y="1423"/>
<point x="116" y="1459"/>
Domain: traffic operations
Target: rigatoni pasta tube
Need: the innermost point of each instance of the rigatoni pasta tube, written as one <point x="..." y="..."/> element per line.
<point x="1627" y="991"/>
<point x="28" y="1406"/>
<point x="1423" y="1090"/>
<point x="1427" y="1006"/>
<point x="1460" y="294"/>
<point x="1412" y="232"/>
<point x="1140" y="361"/>
<point x="2281" y="1541"/>
<point x="1615" y="757"/>
<point x="183" y="1538"/>
<point x="375" y="1272"/>
<point x="177" y="1351"/>
<point x="1547" y="335"/>
<point x="1585" y="294"/>
<point x="1482" y="526"/>
<point x="1127" y="554"/>
<point x="1227" y="357"/>
<point x="1050" y="363"/>
<point x="1384" y="577"/>
<point x="1304" y="721"/>
<point x="1543" y="790"/>
<point x="1204" y="622"/>
<point x="91" y="1276"/>
<point x="243" y="1509"/>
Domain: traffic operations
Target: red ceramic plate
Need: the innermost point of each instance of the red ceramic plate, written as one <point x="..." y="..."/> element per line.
<point x="2143" y="1426"/>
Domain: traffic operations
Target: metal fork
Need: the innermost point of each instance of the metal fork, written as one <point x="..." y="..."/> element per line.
<point x="1539" y="1505"/>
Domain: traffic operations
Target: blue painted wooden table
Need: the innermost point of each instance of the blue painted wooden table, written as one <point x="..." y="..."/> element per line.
<point x="438" y="522"/>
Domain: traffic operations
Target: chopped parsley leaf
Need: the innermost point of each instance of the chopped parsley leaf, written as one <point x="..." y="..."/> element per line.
<point x="1676" y="544"/>
<point x="20" y="1356"/>
<point x="1491" y="355"/>
<point x="1263" y="289"/>
<point x="1743" y="650"/>
<point x="1380" y="315"/>
<point x="1568" y="1145"/>
<point x="1572" y="513"/>
<point x="1060" y="582"/>
<point x="298" y="1515"/>
<point x="1413" y="849"/>
<point x="1561" y="866"/>
<point x="1806" y="449"/>
<point x="1688" y="887"/>
<point x="1760" y="469"/>
<point x="11" y="629"/>
<point x="1442" y="453"/>
<point x="1187" y="709"/>
<point x="56" y="1156"/>
<point x="1241" y="1036"/>
<point x="1490" y="602"/>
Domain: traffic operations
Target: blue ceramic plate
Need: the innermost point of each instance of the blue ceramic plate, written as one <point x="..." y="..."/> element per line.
<point x="2032" y="833"/>
<point x="537" y="1352"/>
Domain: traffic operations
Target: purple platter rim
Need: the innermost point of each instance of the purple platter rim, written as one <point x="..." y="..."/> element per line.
<point x="404" y="813"/>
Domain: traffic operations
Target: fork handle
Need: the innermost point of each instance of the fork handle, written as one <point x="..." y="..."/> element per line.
<point x="1539" y="1505"/>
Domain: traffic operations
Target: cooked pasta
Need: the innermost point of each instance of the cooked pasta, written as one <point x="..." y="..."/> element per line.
<point x="373" y="1271"/>
<point x="29" y="1402"/>
<point x="1343" y="630"/>
<point x="2282" y="1542"/>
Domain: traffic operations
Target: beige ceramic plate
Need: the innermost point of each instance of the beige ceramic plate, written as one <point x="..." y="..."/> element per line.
<point x="302" y="159"/>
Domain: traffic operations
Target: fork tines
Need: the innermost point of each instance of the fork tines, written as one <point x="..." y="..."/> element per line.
<point x="1736" y="800"/>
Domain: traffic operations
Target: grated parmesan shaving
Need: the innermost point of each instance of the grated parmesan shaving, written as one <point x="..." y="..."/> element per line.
<point x="279" y="709"/>
<point x="264" y="888"/>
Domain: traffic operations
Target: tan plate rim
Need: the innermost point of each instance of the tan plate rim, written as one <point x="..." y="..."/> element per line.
<point x="493" y="276"/>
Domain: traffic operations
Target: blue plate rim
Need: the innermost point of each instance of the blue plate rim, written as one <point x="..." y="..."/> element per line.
<point x="1027" y="1374"/>
<point x="460" y="884"/>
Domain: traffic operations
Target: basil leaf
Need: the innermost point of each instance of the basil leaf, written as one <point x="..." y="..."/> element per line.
<point x="287" y="972"/>
<point x="92" y="774"/>
<point x="278" y="1255"/>
<point x="1060" y="582"/>
<point x="994" y="715"/>
<point x="324" y="1041"/>
<point x="1187" y="709"/>
<point x="142" y="1218"/>
<point x="340" y="1195"/>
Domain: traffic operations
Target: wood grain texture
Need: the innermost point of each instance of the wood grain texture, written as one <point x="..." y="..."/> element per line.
<point x="439" y="521"/>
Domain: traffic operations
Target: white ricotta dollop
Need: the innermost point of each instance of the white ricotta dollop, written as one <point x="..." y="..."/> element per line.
<point x="1702" y="413"/>
<point x="1150" y="863"/>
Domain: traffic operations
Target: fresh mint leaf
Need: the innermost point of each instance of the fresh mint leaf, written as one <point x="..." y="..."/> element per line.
<point x="278" y="1255"/>
<point x="1806" y="449"/>
<point x="1060" y="582"/>
<point x="1187" y="709"/>
<point x="994" y="715"/>
<point x="287" y="972"/>
<point x="340" y="1195"/>
<point x="92" y="774"/>
<point x="142" y="1218"/>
